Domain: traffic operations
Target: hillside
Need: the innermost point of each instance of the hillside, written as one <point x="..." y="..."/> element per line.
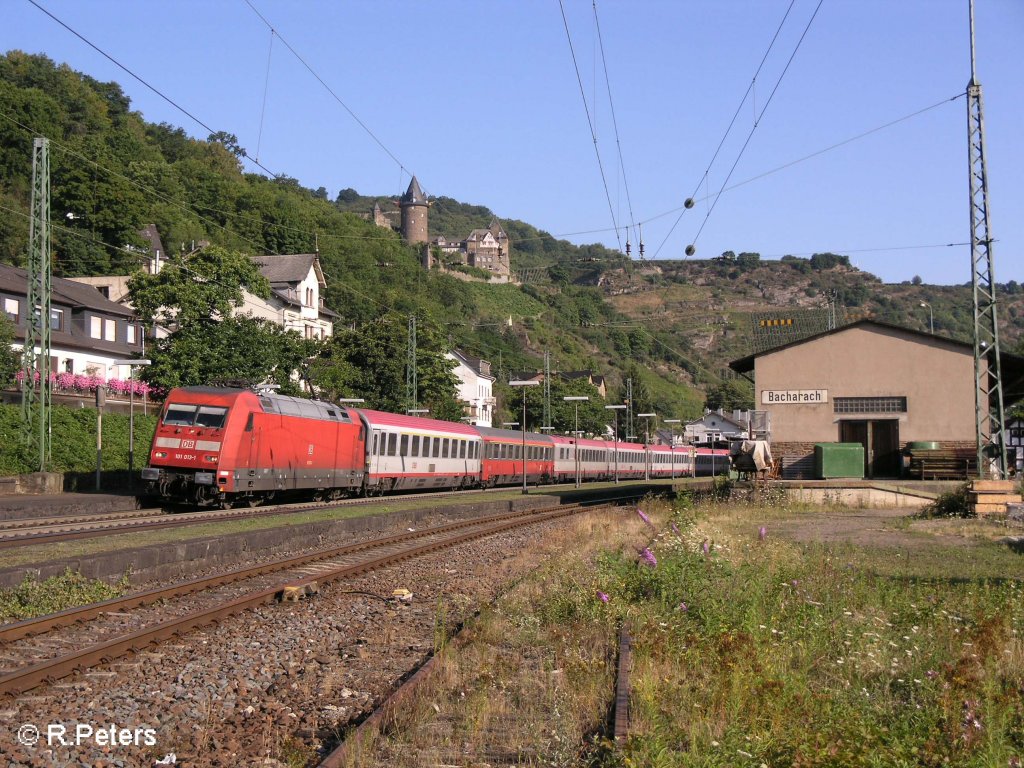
<point x="671" y="326"/>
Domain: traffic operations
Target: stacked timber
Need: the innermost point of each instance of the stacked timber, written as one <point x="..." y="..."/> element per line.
<point x="990" y="497"/>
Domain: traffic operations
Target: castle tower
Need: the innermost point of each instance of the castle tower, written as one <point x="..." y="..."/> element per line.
<point x="414" y="214"/>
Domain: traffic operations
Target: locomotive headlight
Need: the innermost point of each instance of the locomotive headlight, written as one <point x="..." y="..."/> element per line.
<point x="160" y="455"/>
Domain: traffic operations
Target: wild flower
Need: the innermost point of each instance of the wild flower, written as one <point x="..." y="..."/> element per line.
<point x="649" y="558"/>
<point x="795" y="582"/>
<point x="706" y="547"/>
<point x="683" y="607"/>
<point x="675" y="530"/>
<point x="602" y="596"/>
<point x="644" y="517"/>
<point x="762" y="532"/>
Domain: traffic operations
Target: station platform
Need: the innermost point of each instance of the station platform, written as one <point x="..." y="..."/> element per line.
<point x="23" y="505"/>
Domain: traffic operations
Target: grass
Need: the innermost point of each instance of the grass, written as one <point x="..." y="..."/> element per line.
<point x="34" y="598"/>
<point x="814" y="654"/>
<point x="902" y="649"/>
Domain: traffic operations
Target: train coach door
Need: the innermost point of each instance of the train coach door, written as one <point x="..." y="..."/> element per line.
<point x="376" y="448"/>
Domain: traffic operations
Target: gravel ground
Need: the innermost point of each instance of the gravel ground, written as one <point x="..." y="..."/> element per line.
<point x="272" y="686"/>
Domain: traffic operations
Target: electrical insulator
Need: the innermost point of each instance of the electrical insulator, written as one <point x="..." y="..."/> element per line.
<point x="690" y="250"/>
<point x="627" y="248"/>
<point x="689" y="202"/>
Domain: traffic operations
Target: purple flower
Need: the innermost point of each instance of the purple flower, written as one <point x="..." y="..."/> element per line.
<point x="602" y="596"/>
<point x="795" y="582"/>
<point x="684" y="607"/>
<point x="762" y="532"/>
<point x="706" y="547"/>
<point x="649" y="557"/>
<point x="644" y="517"/>
<point x="675" y="530"/>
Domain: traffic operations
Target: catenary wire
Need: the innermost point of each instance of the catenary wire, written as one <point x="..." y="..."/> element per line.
<point x="615" y="123"/>
<point x="757" y="122"/>
<point x="155" y="90"/>
<point x="590" y="122"/>
<point x="732" y="122"/>
<point x="330" y="90"/>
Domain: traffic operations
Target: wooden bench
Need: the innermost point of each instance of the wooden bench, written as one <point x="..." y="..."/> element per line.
<point x="943" y="464"/>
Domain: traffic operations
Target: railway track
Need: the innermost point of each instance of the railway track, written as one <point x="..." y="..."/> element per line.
<point x="31" y="531"/>
<point x="34" y="652"/>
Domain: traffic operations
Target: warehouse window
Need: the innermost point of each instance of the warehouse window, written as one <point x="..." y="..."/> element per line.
<point x="870" y="405"/>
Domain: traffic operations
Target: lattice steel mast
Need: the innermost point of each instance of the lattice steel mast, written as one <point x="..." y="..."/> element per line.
<point x="35" y="405"/>
<point x="988" y="390"/>
<point x="411" y="386"/>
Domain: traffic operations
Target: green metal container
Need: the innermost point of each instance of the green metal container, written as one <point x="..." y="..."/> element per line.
<point x="838" y="460"/>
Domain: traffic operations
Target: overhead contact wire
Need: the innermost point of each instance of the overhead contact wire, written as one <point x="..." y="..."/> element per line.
<point x="757" y="122"/>
<point x="732" y="122"/>
<point x="154" y="89"/>
<point x="615" y="124"/>
<point x="590" y="122"/>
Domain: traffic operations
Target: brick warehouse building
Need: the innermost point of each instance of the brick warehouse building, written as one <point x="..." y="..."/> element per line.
<point x="872" y="383"/>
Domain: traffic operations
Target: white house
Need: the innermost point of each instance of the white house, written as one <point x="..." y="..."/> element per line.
<point x="88" y="332"/>
<point x="296" y="293"/>
<point x="715" y="427"/>
<point x="475" y="384"/>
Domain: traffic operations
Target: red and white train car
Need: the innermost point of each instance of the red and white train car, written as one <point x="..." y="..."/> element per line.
<point x="412" y="453"/>
<point x="503" y="457"/>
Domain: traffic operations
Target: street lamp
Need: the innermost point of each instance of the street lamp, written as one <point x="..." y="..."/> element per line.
<point x="132" y="365"/>
<point x="931" y="317"/>
<point x="524" y="384"/>
<point x="576" y="400"/>
<point x="417" y="411"/>
<point x="672" y="442"/>
<point x="352" y="400"/>
<point x="647" y="441"/>
<point x="615" y="435"/>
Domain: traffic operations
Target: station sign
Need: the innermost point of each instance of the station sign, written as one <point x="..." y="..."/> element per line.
<point x="794" y="396"/>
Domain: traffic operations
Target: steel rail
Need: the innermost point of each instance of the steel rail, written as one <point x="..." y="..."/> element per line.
<point x="32" y="676"/>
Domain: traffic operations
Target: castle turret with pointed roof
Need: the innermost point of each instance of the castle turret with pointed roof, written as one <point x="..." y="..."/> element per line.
<point x="414" y="214"/>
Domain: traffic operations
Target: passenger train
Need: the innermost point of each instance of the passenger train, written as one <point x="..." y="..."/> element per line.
<point x="219" y="447"/>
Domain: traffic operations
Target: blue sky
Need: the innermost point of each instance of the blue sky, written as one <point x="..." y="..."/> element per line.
<point x="480" y="100"/>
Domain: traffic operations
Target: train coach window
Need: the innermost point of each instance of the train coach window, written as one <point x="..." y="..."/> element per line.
<point x="437" y="448"/>
<point x="210" y="416"/>
<point x="415" y="445"/>
<point x="392" y="444"/>
<point x="180" y="415"/>
<point x="462" y="449"/>
<point x="403" y="446"/>
<point x="444" y="448"/>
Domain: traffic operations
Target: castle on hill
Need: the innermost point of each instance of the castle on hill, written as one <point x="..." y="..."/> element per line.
<point x="487" y="249"/>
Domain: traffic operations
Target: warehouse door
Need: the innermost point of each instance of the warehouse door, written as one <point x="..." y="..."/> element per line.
<point x="881" y="441"/>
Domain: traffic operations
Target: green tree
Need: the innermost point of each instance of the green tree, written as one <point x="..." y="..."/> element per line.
<point x="10" y="360"/>
<point x="731" y="394"/>
<point x="193" y="287"/>
<point x="369" y="361"/>
<point x="239" y="351"/>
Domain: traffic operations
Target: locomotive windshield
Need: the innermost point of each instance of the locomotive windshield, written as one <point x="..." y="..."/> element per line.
<point x="182" y="415"/>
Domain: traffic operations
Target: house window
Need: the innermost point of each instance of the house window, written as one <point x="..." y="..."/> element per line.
<point x="133" y="334"/>
<point x="110" y="330"/>
<point x="56" y="319"/>
<point x="870" y="405"/>
<point x="96" y="327"/>
<point x="69" y="366"/>
<point x="11" y="307"/>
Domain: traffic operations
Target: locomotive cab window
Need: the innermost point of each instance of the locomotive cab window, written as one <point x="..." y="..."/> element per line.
<point x="178" y="415"/>
<point x="211" y="416"/>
